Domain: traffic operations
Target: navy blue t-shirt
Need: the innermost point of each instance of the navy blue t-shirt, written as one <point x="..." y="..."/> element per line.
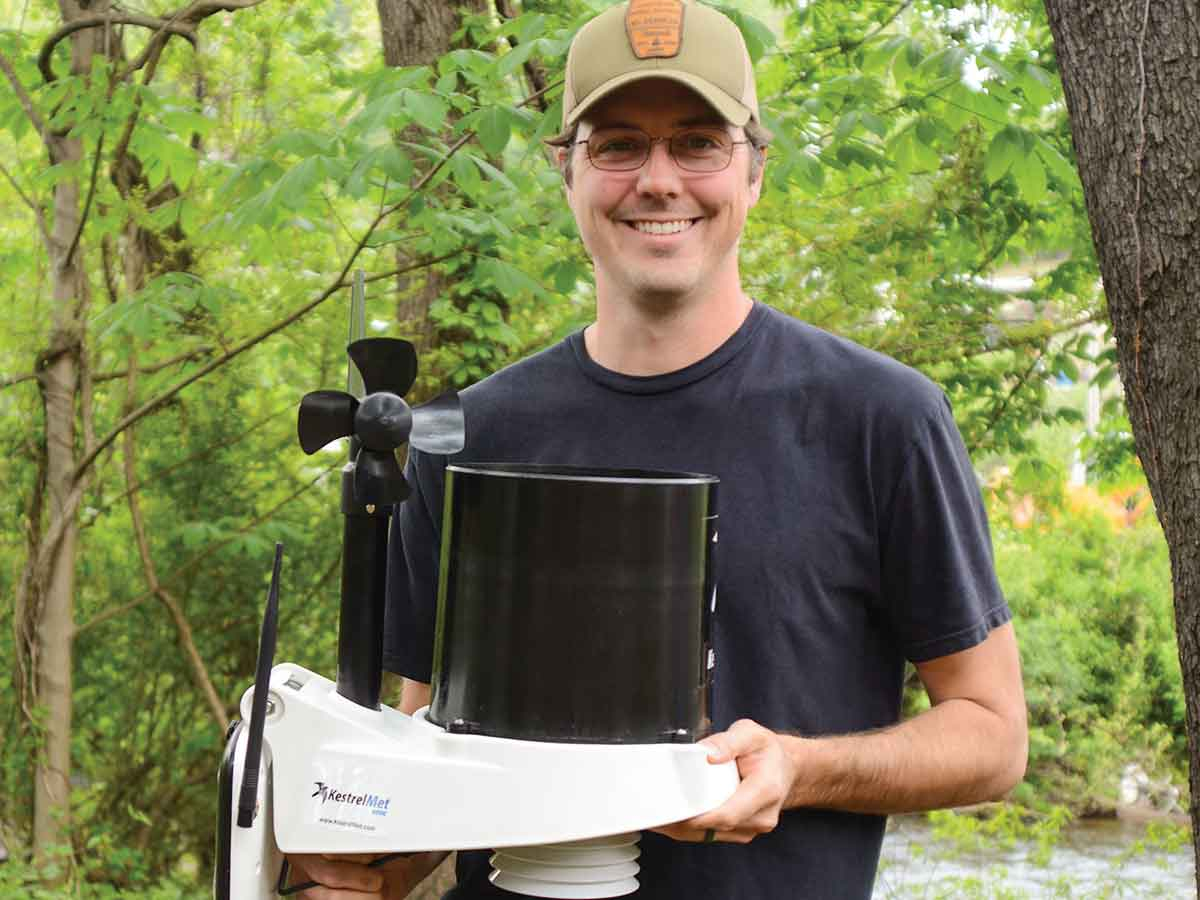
<point x="853" y="537"/>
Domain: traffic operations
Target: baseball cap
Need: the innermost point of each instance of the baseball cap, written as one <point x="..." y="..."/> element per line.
<point x="682" y="41"/>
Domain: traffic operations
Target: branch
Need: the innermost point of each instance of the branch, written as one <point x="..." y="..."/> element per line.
<point x="841" y="47"/>
<point x="10" y="380"/>
<point x="155" y="402"/>
<point x="87" y="203"/>
<point x="22" y="95"/>
<point x="204" y="554"/>
<point x="182" y="626"/>
<point x="205" y="8"/>
<point x="186" y="31"/>
<point x="188" y="356"/>
<point x="106" y="265"/>
<point x="149" y="58"/>
<point x="159" y="366"/>
<point x="380" y="276"/>
<point x="200" y="454"/>
<point x="909" y="353"/>
<point x="1000" y="410"/>
<point x="38" y="212"/>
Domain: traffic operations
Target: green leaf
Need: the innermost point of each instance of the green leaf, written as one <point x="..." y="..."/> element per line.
<point x="428" y="110"/>
<point x="492" y="172"/>
<point x="944" y="63"/>
<point x="812" y="173"/>
<point x="301" y="142"/>
<point x="381" y="113"/>
<point x="1005" y="149"/>
<point x="1030" y="176"/>
<point x="465" y="174"/>
<point x="515" y="58"/>
<point x="1058" y="165"/>
<point x="509" y="280"/>
<point x="494" y="128"/>
<point x="756" y="33"/>
<point x="1036" y="84"/>
<point x="846" y="125"/>
<point x="294" y="188"/>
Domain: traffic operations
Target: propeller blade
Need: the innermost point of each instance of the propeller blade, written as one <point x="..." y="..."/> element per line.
<point x="386" y="364"/>
<point x="438" y="426"/>
<point x="378" y="479"/>
<point x="325" y="416"/>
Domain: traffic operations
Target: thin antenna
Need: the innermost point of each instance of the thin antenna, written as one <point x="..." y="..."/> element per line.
<point x="358" y="331"/>
<point x="258" y="706"/>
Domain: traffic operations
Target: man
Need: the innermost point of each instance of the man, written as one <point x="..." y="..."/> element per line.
<point x="852" y="536"/>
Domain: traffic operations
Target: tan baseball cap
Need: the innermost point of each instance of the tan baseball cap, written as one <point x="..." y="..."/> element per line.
<point x="683" y="41"/>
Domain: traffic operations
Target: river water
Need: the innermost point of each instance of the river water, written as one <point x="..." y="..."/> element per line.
<point x="1088" y="859"/>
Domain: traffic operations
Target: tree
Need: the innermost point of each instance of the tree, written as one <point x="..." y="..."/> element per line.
<point x="1131" y="75"/>
<point x="45" y="598"/>
<point x="416" y="33"/>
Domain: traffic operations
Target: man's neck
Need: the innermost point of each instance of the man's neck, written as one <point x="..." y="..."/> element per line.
<point x="651" y="339"/>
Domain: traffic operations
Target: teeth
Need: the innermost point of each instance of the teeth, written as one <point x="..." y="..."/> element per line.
<point x="662" y="227"/>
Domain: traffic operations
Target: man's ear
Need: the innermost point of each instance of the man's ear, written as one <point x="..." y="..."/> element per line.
<point x="562" y="158"/>
<point x="757" y="184"/>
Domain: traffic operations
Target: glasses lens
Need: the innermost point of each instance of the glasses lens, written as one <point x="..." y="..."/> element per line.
<point x="702" y="149"/>
<point x="617" y="149"/>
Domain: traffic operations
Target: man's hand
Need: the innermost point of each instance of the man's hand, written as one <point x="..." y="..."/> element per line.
<point x="767" y="774"/>
<point x="346" y="876"/>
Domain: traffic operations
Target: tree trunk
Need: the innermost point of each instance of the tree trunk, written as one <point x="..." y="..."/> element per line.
<point x="1131" y="75"/>
<point x="416" y="33"/>
<point x="53" y="572"/>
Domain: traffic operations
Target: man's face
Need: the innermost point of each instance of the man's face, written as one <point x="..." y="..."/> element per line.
<point x="622" y="215"/>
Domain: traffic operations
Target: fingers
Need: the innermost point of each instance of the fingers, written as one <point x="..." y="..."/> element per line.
<point x="743" y="736"/>
<point x="687" y="832"/>
<point x="766" y="777"/>
<point x="341" y="877"/>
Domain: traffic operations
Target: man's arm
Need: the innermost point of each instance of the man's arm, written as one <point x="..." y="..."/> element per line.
<point x="971" y="745"/>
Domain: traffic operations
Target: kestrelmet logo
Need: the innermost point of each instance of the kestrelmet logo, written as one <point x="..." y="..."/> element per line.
<point x="328" y="794"/>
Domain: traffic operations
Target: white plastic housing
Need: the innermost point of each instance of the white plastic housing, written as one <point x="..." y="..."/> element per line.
<point x="340" y="778"/>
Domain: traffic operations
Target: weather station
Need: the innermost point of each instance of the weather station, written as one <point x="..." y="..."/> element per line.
<point x="571" y="676"/>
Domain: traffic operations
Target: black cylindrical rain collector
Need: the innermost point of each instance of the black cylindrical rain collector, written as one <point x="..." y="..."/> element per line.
<point x="575" y="605"/>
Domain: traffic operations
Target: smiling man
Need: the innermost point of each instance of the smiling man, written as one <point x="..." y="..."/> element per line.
<point x="853" y="538"/>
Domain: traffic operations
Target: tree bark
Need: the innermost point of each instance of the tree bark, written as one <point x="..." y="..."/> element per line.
<point x="53" y="595"/>
<point x="44" y="603"/>
<point x="416" y="33"/>
<point x="1131" y="76"/>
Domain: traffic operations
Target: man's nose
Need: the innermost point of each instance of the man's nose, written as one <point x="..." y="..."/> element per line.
<point x="659" y="176"/>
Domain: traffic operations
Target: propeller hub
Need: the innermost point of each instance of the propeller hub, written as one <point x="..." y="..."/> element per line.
<point x="383" y="421"/>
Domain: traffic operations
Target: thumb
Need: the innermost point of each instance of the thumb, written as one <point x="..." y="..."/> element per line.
<point x="720" y="748"/>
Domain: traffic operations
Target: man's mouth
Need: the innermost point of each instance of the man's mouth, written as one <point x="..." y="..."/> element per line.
<point x="672" y="227"/>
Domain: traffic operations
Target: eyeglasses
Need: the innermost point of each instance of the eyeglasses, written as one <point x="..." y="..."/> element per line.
<point x="701" y="149"/>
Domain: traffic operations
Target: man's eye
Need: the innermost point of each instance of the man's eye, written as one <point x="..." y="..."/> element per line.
<point x="618" y="145"/>
<point x="698" y="142"/>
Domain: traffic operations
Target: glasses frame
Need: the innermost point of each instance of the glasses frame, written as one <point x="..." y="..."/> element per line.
<point x="651" y="141"/>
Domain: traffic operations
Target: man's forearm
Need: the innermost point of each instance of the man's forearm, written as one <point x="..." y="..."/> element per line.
<point x="953" y="754"/>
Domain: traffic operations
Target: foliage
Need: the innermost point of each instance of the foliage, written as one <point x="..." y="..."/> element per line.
<point x="920" y="150"/>
<point x="1092" y="601"/>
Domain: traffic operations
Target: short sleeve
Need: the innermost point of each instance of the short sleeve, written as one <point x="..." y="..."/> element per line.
<point x="413" y="549"/>
<point x="939" y="582"/>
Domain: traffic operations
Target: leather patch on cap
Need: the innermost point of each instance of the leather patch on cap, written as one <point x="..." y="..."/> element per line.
<point x="655" y="27"/>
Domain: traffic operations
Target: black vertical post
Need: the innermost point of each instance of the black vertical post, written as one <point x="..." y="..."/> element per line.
<point x="364" y="576"/>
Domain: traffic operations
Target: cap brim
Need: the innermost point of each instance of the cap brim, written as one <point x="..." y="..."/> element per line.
<point x="733" y="111"/>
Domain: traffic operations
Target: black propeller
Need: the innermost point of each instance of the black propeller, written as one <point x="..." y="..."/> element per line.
<point x="381" y="422"/>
